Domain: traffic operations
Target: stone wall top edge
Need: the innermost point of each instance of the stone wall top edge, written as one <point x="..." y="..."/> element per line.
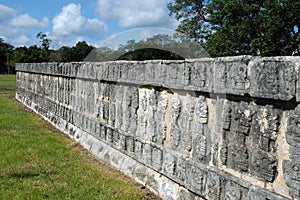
<point x="225" y="58"/>
<point x="227" y="79"/>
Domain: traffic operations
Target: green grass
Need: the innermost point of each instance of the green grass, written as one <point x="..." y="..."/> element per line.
<point x="38" y="162"/>
<point x="7" y="84"/>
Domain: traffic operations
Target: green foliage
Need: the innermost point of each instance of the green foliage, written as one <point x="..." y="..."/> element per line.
<point x="81" y="51"/>
<point x="45" y="42"/>
<point x="102" y="54"/>
<point x="5" y="51"/>
<point x="149" y="54"/>
<point x="33" y="54"/>
<point x="65" y="54"/>
<point x="192" y="17"/>
<point x="76" y="53"/>
<point x="237" y="27"/>
<point x="159" y="46"/>
<point x="156" y="47"/>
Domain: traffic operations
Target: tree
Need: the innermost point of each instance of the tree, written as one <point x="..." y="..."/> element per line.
<point x="65" y="54"/>
<point x="280" y="19"/>
<point x="44" y="53"/>
<point x="236" y="24"/>
<point x="33" y="54"/>
<point x="102" y="54"/>
<point x="149" y="54"/>
<point x="45" y="42"/>
<point x="81" y="50"/>
<point x="253" y="27"/>
<point x="264" y="27"/>
<point x="5" y="51"/>
<point x="192" y="16"/>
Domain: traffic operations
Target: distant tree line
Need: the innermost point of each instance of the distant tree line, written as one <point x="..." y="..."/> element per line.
<point x="156" y="47"/>
<point x="9" y="55"/>
<point x="160" y="46"/>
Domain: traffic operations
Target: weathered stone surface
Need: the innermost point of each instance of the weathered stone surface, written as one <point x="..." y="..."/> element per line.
<point x="195" y="178"/>
<point x="275" y="77"/>
<point x="270" y="78"/>
<point x="230" y="75"/>
<point x="224" y="128"/>
<point x="214" y="186"/>
<point x="258" y="193"/>
<point x="232" y="190"/>
<point x="293" y="132"/>
<point x="249" y="135"/>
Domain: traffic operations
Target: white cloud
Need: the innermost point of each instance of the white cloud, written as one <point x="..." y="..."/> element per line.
<point x="71" y="22"/>
<point x="27" y="21"/>
<point x="6" y="13"/>
<point x="14" y="27"/>
<point x="22" y="39"/>
<point x="132" y="13"/>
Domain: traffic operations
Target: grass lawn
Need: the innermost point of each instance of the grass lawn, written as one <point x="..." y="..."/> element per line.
<point x="38" y="162"/>
<point x="7" y="84"/>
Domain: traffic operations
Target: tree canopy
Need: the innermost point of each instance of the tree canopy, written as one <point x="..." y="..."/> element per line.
<point x="5" y="50"/>
<point x="238" y="27"/>
<point x="160" y="46"/>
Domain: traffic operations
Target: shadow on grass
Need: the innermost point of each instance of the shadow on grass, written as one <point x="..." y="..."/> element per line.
<point x="21" y="175"/>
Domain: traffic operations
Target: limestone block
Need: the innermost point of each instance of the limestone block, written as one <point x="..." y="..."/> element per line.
<point x="132" y="72"/>
<point x="172" y="73"/>
<point x="103" y="133"/>
<point x="157" y="158"/>
<point x="169" y="164"/>
<point x="138" y="149"/>
<point x="270" y="78"/>
<point x="291" y="170"/>
<point x="147" y="154"/>
<point x="130" y="144"/>
<point x="195" y="178"/>
<point x="160" y="117"/>
<point x="293" y="132"/>
<point x="230" y="75"/>
<point x="150" y="70"/>
<point x="214" y="185"/>
<point x="258" y="193"/>
<point x="140" y="72"/>
<point x="232" y="190"/>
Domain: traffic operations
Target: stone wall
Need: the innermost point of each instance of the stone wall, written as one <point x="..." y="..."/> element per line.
<point x="224" y="128"/>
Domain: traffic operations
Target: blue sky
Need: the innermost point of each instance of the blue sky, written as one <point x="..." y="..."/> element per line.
<point x="68" y="21"/>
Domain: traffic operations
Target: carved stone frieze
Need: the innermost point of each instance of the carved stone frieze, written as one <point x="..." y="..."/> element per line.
<point x="249" y="136"/>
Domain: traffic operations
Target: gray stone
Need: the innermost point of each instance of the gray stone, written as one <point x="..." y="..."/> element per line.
<point x="214" y="185"/>
<point x="293" y="132"/>
<point x="233" y="191"/>
<point x="157" y="158"/>
<point x="195" y="178"/>
<point x="258" y="193"/>
<point x="169" y="164"/>
<point x="188" y="129"/>
<point x="292" y="172"/>
<point x="272" y="79"/>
